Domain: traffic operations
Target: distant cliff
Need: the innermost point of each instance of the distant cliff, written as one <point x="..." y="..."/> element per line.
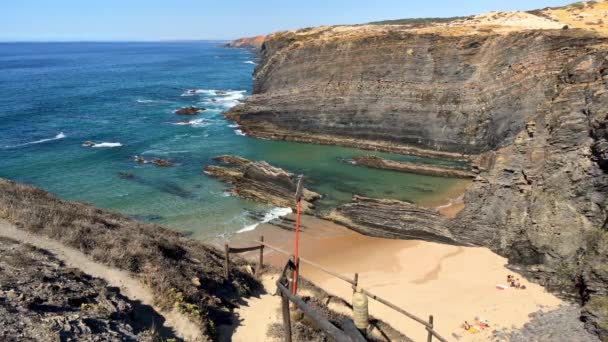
<point x="526" y="93"/>
<point x="254" y="43"/>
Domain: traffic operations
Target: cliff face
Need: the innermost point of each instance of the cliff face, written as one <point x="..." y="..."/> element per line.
<point x="456" y="93"/>
<point x="525" y="94"/>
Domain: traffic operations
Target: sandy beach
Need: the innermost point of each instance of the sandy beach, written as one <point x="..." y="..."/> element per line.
<point x="452" y="283"/>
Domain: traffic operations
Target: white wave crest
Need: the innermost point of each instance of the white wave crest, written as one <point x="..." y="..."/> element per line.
<point x="274" y="213"/>
<point x="250" y="62"/>
<point x="193" y="123"/>
<point x="107" y="144"/>
<point x="239" y="132"/>
<point x="57" y="137"/>
<point x="145" y="101"/>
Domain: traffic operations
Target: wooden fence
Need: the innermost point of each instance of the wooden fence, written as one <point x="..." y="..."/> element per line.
<point x="286" y="295"/>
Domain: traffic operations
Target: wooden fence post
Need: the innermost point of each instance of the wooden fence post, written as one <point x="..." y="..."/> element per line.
<point x="430" y="337"/>
<point x="286" y="317"/>
<point x="227" y="261"/>
<point x="261" y="264"/>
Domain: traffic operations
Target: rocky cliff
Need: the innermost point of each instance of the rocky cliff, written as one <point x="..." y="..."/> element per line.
<point x="526" y="91"/>
<point x="254" y="43"/>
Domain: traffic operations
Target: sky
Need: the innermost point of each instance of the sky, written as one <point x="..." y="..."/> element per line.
<point x="131" y="20"/>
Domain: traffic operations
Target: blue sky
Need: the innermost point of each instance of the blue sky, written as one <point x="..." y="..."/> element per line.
<point x="60" y="20"/>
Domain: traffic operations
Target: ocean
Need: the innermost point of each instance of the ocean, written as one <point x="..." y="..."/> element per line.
<point x="55" y="96"/>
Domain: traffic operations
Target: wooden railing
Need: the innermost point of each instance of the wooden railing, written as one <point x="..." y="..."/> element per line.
<point x="348" y="333"/>
<point x="286" y="295"/>
<point x="231" y="250"/>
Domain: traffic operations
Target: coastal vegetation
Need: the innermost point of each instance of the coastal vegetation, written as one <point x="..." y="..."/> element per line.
<point x="182" y="273"/>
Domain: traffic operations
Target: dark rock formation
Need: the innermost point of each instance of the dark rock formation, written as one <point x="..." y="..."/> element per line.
<point x="561" y="324"/>
<point x="393" y="219"/>
<point x="156" y="161"/>
<point x="190" y="110"/>
<point x="260" y="181"/>
<point x="532" y="102"/>
<point x="423" y="169"/>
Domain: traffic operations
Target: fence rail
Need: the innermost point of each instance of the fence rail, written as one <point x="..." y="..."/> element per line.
<point x="350" y="332"/>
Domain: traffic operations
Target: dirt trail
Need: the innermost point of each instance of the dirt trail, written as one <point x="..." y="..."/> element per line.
<point x="129" y="286"/>
<point x="253" y="319"/>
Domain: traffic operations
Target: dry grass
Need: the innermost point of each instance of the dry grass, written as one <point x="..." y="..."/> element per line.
<point x="161" y="258"/>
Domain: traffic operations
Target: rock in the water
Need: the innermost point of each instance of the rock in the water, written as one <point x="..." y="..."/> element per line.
<point x="162" y="162"/>
<point x="261" y="182"/>
<point x="190" y="110"/>
<point x="423" y="169"/>
<point x="156" y="161"/>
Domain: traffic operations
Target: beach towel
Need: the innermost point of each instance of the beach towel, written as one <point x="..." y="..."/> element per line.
<point x="501" y="286"/>
<point x="472" y="330"/>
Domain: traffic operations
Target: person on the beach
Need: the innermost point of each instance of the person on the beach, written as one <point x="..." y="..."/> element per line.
<point x="466" y="325"/>
<point x="517" y="284"/>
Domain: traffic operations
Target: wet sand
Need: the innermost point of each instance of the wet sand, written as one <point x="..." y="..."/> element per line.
<point x="452" y="283"/>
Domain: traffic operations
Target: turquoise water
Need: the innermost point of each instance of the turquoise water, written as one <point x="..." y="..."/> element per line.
<point x="54" y="96"/>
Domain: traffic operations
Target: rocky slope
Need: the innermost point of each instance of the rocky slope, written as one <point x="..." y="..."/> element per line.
<point x="262" y="182"/>
<point x="42" y="300"/>
<point x="520" y="92"/>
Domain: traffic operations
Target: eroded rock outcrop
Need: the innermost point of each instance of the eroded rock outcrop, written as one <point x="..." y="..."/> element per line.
<point x="393" y="219"/>
<point x="423" y="169"/>
<point x="262" y="182"/>
<point x="531" y="99"/>
<point x="190" y="110"/>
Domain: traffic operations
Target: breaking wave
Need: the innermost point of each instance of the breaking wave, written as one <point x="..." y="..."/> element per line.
<point x="107" y="144"/>
<point x="193" y="123"/>
<point x="57" y="137"/>
<point x="274" y="213"/>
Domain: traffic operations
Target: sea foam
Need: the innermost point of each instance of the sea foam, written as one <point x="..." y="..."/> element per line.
<point x="274" y="213"/>
<point x="193" y="123"/>
<point x="107" y="144"/>
<point x="57" y="137"/>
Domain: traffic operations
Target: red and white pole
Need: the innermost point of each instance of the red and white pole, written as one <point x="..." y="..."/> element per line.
<point x="296" y="261"/>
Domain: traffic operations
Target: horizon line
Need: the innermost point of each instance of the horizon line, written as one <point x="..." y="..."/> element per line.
<point x="115" y="41"/>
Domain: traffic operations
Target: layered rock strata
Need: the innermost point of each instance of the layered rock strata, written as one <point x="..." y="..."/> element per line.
<point x="393" y="219"/>
<point x="422" y="169"/>
<point x="262" y="182"/>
